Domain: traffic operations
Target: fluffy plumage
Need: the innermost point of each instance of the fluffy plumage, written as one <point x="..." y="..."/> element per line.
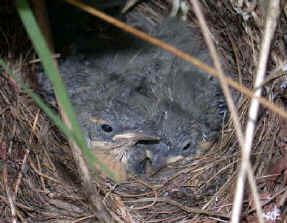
<point x="135" y="101"/>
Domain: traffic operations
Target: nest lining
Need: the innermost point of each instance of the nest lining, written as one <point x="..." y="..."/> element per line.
<point x="48" y="186"/>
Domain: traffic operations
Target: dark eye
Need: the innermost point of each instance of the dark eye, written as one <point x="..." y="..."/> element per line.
<point x="186" y="146"/>
<point x="107" y="128"/>
<point x="157" y="66"/>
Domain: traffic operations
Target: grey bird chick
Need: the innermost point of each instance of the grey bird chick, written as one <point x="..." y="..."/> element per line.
<point x="135" y="101"/>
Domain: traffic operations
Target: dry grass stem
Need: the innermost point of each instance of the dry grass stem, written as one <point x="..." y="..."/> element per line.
<point x="271" y="22"/>
<point x="5" y="181"/>
<point x="42" y="177"/>
<point x="223" y="82"/>
<point x="179" y="53"/>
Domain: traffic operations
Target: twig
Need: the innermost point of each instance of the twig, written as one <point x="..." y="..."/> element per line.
<point x="84" y="218"/>
<point x="178" y="53"/>
<point x="221" y="190"/>
<point x="11" y="203"/>
<point x="283" y="199"/>
<point x="24" y="162"/>
<point x="272" y="77"/>
<point x="20" y="175"/>
<point x="155" y="199"/>
<point x="273" y="12"/>
<point x="41" y="177"/>
<point x="182" y="207"/>
<point x="223" y="82"/>
<point x="211" y="47"/>
<point x="5" y="182"/>
<point x="235" y="51"/>
<point x="167" y="220"/>
<point x="42" y="174"/>
<point x="269" y="200"/>
<point x="21" y="206"/>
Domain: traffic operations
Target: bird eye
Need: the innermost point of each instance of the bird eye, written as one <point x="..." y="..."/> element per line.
<point x="186" y="146"/>
<point x="107" y="128"/>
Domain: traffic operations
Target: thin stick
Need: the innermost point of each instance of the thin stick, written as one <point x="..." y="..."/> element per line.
<point x="223" y="82"/>
<point x="178" y="53"/>
<point x="180" y="206"/>
<point x="24" y="161"/>
<point x="272" y="15"/>
<point x="212" y="50"/>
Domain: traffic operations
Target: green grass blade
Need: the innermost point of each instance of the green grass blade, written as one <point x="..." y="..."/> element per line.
<point x="50" y="69"/>
<point x="52" y="115"/>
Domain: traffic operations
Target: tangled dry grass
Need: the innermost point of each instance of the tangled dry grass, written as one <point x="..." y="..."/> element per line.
<point x="39" y="178"/>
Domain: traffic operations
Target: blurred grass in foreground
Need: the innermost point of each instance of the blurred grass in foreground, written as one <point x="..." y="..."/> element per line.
<point x="51" y="71"/>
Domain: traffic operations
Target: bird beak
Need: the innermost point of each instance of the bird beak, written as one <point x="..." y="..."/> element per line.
<point x="128" y="139"/>
<point x="114" y="154"/>
<point x="133" y="138"/>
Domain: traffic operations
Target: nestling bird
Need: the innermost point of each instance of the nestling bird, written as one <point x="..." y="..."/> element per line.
<point x="136" y="102"/>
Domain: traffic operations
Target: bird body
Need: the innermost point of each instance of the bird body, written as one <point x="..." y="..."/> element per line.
<point x="136" y="102"/>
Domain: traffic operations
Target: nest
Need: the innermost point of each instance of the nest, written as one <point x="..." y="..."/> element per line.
<point x="39" y="178"/>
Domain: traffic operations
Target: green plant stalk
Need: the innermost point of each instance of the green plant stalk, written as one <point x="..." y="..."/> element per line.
<point x="50" y="69"/>
<point x="52" y="115"/>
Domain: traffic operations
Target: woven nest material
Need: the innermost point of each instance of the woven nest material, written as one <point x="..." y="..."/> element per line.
<point x="39" y="174"/>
